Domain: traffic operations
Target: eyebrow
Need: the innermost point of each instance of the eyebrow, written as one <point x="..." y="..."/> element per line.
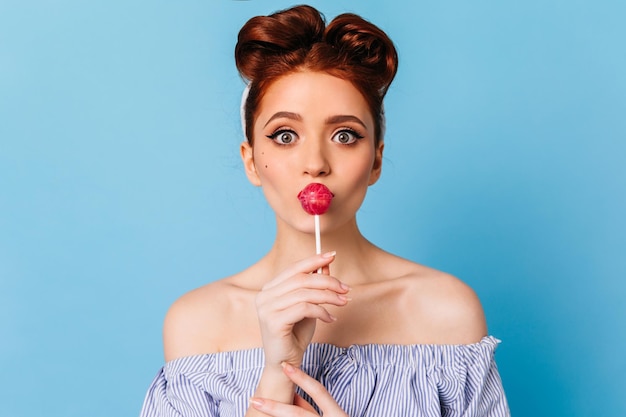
<point x="340" y="118"/>
<point x="284" y="114"/>
<point x="343" y="119"/>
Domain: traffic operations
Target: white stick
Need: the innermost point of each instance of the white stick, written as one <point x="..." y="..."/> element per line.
<point x="318" y="239"/>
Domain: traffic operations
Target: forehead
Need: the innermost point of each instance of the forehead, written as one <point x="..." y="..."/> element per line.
<point x="314" y="94"/>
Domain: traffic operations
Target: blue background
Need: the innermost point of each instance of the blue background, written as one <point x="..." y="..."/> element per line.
<point x="121" y="186"/>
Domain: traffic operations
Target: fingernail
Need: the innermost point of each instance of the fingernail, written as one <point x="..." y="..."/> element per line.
<point x="333" y="318"/>
<point x="344" y="286"/>
<point x="329" y="254"/>
<point x="344" y="298"/>
<point x="288" y="368"/>
<point x="256" y="402"/>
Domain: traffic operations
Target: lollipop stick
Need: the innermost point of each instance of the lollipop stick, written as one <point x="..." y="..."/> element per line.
<point x="318" y="240"/>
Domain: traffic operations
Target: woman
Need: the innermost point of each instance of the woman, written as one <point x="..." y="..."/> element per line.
<point x="371" y="334"/>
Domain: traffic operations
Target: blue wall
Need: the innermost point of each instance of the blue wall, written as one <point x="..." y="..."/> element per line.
<point x="121" y="187"/>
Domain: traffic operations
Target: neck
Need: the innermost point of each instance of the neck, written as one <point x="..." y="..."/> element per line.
<point x="351" y="247"/>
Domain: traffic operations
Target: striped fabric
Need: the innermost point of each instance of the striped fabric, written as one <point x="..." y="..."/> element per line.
<point x="366" y="380"/>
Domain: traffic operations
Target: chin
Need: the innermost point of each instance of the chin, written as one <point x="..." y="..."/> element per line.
<point x="306" y="224"/>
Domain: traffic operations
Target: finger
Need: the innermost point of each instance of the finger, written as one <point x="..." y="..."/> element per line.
<point x="299" y="312"/>
<point x="277" y="409"/>
<point x="302" y="403"/>
<point x="318" y="290"/>
<point x="306" y="265"/>
<point x="300" y="281"/>
<point x="310" y="296"/>
<point x="325" y="290"/>
<point x="316" y="391"/>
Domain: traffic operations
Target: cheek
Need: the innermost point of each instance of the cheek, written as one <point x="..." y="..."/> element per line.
<point x="364" y="167"/>
<point x="267" y="168"/>
<point x="261" y="161"/>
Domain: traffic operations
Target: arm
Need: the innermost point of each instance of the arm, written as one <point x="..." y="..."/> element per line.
<point x="484" y="393"/>
<point x="288" y="308"/>
<point x="320" y="395"/>
<point x="177" y="397"/>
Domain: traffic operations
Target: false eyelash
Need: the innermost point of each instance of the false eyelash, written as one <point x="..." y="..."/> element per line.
<point x="351" y="131"/>
<point x="357" y="136"/>
<point x="278" y="132"/>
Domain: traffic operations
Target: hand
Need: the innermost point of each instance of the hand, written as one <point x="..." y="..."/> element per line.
<point x="289" y="306"/>
<point x="320" y="395"/>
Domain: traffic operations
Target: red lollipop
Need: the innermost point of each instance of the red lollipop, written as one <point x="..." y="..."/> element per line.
<point x="315" y="198"/>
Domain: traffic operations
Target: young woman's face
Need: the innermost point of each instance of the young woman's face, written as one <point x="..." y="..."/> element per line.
<point x="313" y="127"/>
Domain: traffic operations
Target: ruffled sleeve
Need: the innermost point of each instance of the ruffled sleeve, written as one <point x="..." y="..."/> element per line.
<point x="415" y="380"/>
<point x="470" y="384"/>
<point x="175" y="393"/>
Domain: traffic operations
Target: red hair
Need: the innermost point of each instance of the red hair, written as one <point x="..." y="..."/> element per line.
<point x="297" y="39"/>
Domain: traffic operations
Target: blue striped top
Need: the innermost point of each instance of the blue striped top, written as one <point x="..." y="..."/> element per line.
<point x="366" y="380"/>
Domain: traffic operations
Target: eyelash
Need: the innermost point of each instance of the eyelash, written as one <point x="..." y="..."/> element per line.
<point x="352" y="132"/>
<point x="348" y="130"/>
<point x="279" y="132"/>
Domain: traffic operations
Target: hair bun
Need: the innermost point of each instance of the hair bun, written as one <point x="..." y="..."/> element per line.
<point x="285" y="33"/>
<point x="362" y="43"/>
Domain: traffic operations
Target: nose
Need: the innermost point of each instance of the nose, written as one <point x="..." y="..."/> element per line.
<point x="315" y="160"/>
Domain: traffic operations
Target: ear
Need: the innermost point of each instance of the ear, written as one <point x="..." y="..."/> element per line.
<point x="377" y="167"/>
<point x="247" y="157"/>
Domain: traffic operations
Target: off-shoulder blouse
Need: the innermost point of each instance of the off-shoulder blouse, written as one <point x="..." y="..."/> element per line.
<point x="376" y="380"/>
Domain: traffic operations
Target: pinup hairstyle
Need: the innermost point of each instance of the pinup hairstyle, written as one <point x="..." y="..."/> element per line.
<point x="297" y="39"/>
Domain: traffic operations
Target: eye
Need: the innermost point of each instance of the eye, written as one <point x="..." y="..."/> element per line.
<point x="346" y="137"/>
<point x="283" y="136"/>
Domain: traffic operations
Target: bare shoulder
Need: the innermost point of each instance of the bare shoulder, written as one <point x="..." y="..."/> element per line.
<point x="448" y="310"/>
<point x="455" y="310"/>
<point x="200" y="320"/>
